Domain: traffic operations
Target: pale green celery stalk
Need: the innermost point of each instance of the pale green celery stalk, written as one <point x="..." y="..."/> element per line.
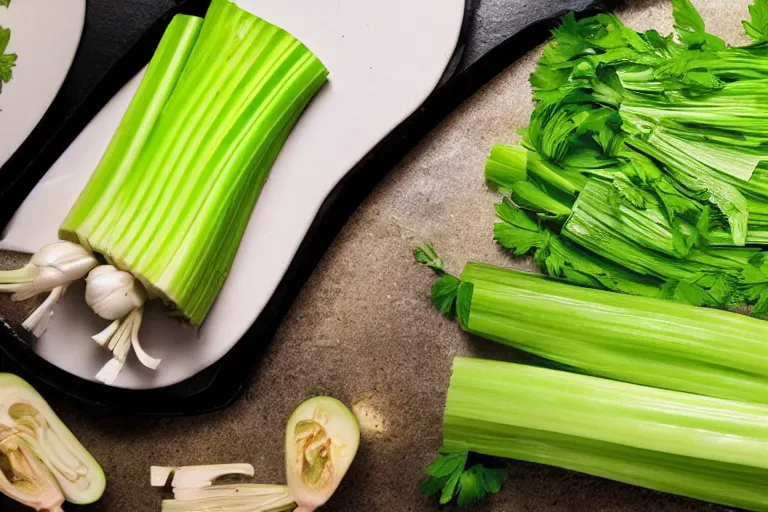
<point x="178" y="218"/>
<point x="506" y="165"/>
<point x="696" y="446"/>
<point x="96" y="202"/>
<point x="635" y="339"/>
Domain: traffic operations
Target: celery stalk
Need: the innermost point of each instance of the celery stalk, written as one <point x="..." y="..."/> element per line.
<point x="170" y="58"/>
<point x="635" y="339"/>
<point x="691" y="445"/>
<point x="175" y="217"/>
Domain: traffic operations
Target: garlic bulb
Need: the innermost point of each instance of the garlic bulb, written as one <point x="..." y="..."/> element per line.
<point x="116" y="295"/>
<point x="113" y="293"/>
<point x="51" y="269"/>
<point x="54" y="265"/>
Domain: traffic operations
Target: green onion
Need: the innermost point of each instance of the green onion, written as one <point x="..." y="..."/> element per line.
<point x="173" y="194"/>
<point x="701" y="447"/>
<point x="634" y="339"/>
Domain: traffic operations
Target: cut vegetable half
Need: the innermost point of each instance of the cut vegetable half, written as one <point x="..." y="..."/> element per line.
<point x="33" y="432"/>
<point x="321" y="440"/>
<point x="23" y="477"/>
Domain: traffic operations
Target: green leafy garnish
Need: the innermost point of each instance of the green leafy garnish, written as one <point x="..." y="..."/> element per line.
<point x="426" y="255"/>
<point x="7" y="60"/>
<point x="757" y="26"/>
<point x="444" y="294"/>
<point x="449" y="480"/>
<point x="690" y="27"/>
<point x="5" y="3"/>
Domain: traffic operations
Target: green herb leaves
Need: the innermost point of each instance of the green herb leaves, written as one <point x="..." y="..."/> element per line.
<point x="7" y="60"/>
<point x="426" y="255"/>
<point x="757" y="26"/>
<point x="450" y="481"/>
<point x="690" y="27"/>
<point x="5" y="3"/>
<point x="444" y="293"/>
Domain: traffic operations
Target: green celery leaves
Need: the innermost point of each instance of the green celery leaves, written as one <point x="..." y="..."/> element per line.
<point x="7" y="60"/>
<point x="757" y="26"/>
<point x="448" y="479"/>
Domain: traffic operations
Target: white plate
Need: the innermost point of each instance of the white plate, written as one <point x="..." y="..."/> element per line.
<point x="44" y="35"/>
<point x="384" y="56"/>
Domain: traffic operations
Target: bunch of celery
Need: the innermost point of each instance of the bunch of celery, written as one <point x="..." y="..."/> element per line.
<point x="172" y="196"/>
<point x="645" y="165"/>
<point x="169" y="202"/>
<point x="705" y="448"/>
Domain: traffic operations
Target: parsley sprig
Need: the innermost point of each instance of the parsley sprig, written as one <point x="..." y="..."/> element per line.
<point x="450" y="480"/>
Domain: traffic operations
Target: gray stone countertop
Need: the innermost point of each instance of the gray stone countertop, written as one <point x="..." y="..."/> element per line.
<point x="363" y="330"/>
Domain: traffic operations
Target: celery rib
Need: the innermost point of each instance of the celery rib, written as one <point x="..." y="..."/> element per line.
<point x="695" y="446"/>
<point x="636" y="339"/>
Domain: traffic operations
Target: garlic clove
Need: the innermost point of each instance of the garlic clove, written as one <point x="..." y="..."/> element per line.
<point x="113" y="293"/>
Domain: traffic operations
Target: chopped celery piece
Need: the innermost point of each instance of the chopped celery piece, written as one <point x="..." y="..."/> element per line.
<point x="506" y="165"/>
<point x="701" y="447"/>
<point x="173" y="195"/>
<point x="634" y="339"/>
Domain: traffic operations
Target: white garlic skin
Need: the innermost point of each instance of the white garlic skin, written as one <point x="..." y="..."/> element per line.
<point x="60" y="263"/>
<point x="113" y="293"/>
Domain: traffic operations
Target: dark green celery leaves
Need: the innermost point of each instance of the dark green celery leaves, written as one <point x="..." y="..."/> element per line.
<point x="647" y="161"/>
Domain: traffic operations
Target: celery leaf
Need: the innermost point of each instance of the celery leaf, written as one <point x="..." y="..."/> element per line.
<point x="448" y="478"/>
<point x="426" y="255"/>
<point x="757" y="26"/>
<point x="464" y="303"/>
<point x="7" y="60"/>
<point x="690" y="27"/>
<point x="444" y="294"/>
<point x="476" y="483"/>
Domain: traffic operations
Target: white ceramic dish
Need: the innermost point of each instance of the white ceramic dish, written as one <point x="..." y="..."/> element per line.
<point x="45" y="35"/>
<point x="385" y="57"/>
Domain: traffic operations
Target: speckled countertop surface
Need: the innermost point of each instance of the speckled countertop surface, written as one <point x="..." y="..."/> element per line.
<point x="363" y="330"/>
